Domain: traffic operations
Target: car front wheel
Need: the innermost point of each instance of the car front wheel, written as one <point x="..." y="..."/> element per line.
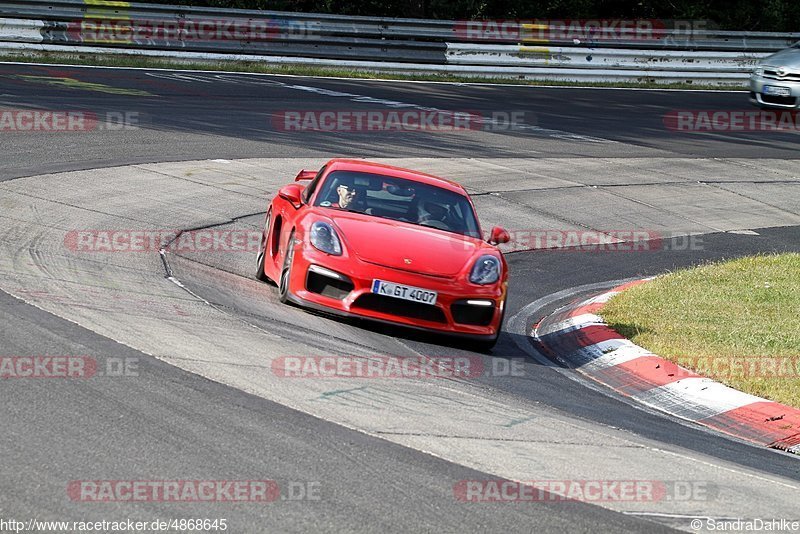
<point x="286" y="271"/>
<point x="262" y="250"/>
<point x="486" y="345"/>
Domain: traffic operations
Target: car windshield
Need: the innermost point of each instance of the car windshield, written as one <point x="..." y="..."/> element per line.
<point x="400" y="200"/>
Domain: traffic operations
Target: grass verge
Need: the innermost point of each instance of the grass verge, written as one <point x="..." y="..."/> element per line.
<point x="736" y="321"/>
<point x="305" y="70"/>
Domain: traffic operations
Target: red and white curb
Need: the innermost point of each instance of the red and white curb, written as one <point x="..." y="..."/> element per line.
<point x="579" y="338"/>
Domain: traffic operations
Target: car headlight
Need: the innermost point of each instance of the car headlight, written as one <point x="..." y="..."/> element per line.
<point x="324" y="238"/>
<point x="759" y="71"/>
<point x="486" y="270"/>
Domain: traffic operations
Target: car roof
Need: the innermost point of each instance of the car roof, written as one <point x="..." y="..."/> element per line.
<point x="359" y="165"/>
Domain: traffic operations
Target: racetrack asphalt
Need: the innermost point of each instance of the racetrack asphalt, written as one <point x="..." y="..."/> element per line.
<point x="176" y="424"/>
<point x="191" y="116"/>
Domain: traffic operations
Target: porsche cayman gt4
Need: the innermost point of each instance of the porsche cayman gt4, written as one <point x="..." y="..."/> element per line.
<point x="388" y="244"/>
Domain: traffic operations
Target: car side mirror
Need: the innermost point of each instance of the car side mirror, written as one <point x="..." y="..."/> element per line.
<point x="499" y="236"/>
<point x="291" y="193"/>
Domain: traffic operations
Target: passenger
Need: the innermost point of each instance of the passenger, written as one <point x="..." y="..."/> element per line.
<point x="432" y="214"/>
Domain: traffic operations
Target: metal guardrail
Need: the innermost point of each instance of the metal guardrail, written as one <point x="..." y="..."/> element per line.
<point x="409" y="45"/>
<point x="602" y="58"/>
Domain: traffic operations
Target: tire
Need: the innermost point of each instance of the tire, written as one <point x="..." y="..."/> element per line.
<point x="262" y="251"/>
<point x="286" y="271"/>
<point x="487" y="344"/>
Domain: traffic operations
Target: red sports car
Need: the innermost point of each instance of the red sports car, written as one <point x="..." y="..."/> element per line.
<point x="388" y="244"/>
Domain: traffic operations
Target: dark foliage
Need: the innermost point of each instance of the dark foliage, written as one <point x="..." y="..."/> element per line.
<point x="768" y="15"/>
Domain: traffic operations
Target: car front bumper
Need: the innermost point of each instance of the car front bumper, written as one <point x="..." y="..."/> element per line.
<point x="758" y="98"/>
<point x="451" y="314"/>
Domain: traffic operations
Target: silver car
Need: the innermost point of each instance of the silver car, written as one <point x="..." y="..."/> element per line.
<point x="776" y="81"/>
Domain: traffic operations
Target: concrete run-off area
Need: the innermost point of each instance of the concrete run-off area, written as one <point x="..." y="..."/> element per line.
<point x="126" y="297"/>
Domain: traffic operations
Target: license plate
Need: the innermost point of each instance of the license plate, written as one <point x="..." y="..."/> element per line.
<point x="400" y="291"/>
<point x="777" y="90"/>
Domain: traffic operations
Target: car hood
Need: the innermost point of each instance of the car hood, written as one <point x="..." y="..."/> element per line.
<point x="405" y="246"/>
<point x="785" y="58"/>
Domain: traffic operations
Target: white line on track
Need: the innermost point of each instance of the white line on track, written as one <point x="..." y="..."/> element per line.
<point x="393" y="104"/>
<point x="389" y="80"/>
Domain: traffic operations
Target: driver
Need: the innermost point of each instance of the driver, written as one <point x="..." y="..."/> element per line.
<point x="350" y="196"/>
